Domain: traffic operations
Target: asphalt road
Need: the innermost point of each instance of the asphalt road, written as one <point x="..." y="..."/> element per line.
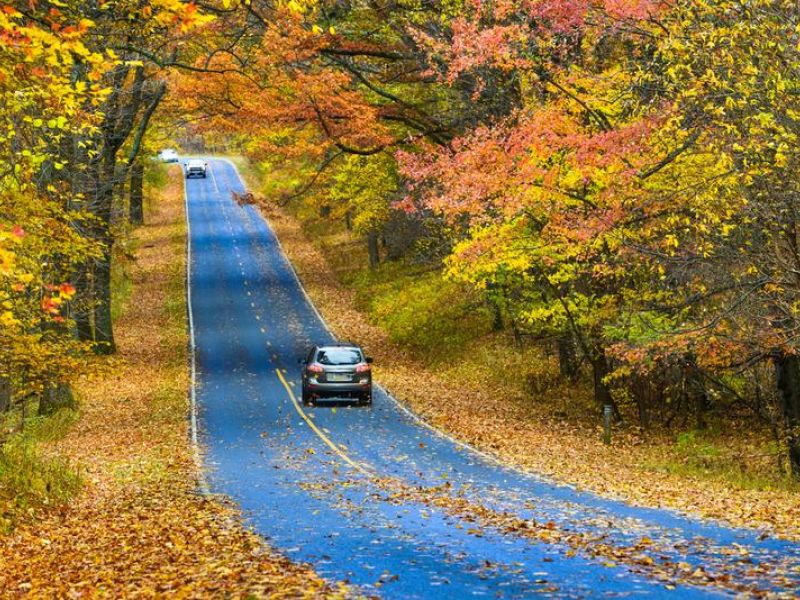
<point x="363" y="493"/>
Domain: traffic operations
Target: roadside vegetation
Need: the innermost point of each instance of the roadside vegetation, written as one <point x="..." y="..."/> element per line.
<point x="29" y="477"/>
<point x="552" y="209"/>
<point x="505" y="395"/>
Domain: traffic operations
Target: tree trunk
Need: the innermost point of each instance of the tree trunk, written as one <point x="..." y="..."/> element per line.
<point x="698" y="395"/>
<point x="374" y="253"/>
<point x="5" y="395"/>
<point x="348" y="221"/>
<point x="567" y="360"/>
<point x="82" y="315"/>
<point x="103" y="203"/>
<point x="602" y="394"/>
<point x="136" y="208"/>
<point x="787" y="368"/>
<point x="497" y="321"/>
<point x="643" y="402"/>
<point x="55" y="398"/>
<point x="493" y="294"/>
<point x="103" y="326"/>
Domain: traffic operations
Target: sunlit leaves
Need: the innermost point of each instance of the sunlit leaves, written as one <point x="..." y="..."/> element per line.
<point x="365" y="186"/>
<point x="38" y="239"/>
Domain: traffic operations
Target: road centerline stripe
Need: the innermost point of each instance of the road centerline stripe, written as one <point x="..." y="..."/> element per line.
<point x="318" y="431"/>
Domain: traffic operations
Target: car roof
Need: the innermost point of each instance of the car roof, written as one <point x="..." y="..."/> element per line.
<point x="339" y="345"/>
<point x="196" y="161"/>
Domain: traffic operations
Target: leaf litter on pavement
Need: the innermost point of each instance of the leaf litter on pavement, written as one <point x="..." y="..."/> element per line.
<point x="644" y="550"/>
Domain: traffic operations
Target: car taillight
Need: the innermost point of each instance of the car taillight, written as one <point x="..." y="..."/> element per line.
<point x="362" y="368"/>
<point x="315" y="369"/>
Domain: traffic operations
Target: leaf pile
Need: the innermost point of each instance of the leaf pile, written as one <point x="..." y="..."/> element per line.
<point x="139" y="529"/>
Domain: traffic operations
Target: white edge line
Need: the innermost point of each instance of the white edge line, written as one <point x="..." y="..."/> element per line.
<point x="201" y="476"/>
<point x="213" y="179"/>
<point x="414" y="416"/>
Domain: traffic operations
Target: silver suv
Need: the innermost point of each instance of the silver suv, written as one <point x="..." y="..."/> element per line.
<point x="339" y="370"/>
<point x="196" y="168"/>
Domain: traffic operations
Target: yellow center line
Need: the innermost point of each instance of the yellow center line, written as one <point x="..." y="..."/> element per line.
<point x="318" y="431"/>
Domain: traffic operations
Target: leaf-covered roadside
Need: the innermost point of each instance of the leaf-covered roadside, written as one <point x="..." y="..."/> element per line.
<point x="139" y="528"/>
<point x="497" y="420"/>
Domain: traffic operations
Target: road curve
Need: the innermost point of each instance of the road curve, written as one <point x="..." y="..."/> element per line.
<point x="362" y="493"/>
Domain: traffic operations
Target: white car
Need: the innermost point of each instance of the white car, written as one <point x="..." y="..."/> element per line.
<point x="168" y="156"/>
<point x="196" y="168"/>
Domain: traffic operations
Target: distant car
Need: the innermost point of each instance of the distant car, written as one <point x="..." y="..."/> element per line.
<point x="337" y="370"/>
<point x="168" y="156"/>
<point x="196" y="168"/>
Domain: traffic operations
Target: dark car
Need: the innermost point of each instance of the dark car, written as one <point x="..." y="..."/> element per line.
<point x="337" y="370"/>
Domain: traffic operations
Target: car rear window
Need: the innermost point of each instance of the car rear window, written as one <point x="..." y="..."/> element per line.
<point x="339" y="356"/>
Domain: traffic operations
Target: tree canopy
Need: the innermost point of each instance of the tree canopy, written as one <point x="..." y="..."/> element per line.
<point x="617" y="175"/>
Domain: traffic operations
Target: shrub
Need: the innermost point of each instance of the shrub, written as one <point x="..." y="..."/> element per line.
<point x="430" y="314"/>
<point x="29" y="477"/>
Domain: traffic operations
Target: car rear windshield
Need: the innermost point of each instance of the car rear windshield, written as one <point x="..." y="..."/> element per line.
<point x="339" y="356"/>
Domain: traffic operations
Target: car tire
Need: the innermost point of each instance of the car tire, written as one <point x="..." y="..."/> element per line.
<point x="308" y="400"/>
<point x="366" y="399"/>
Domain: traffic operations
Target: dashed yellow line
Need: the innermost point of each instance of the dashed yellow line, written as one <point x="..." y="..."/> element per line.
<point x="318" y="431"/>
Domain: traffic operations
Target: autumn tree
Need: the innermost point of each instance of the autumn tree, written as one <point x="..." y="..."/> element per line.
<point x="365" y="187"/>
<point x="40" y="220"/>
<point x="633" y="195"/>
<point x="611" y="173"/>
<point x="729" y="248"/>
<point x="137" y="42"/>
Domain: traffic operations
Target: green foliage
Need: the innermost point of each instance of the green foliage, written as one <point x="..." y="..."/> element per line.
<point x="52" y="427"/>
<point x="155" y="177"/>
<point x="527" y="373"/>
<point x="706" y="455"/>
<point x="690" y="444"/>
<point x="422" y="311"/>
<point x="365" y="186"/>
<point x="30" y="477"/>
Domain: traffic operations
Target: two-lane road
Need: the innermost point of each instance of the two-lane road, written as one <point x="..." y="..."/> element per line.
<point x="357" y="491"/>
